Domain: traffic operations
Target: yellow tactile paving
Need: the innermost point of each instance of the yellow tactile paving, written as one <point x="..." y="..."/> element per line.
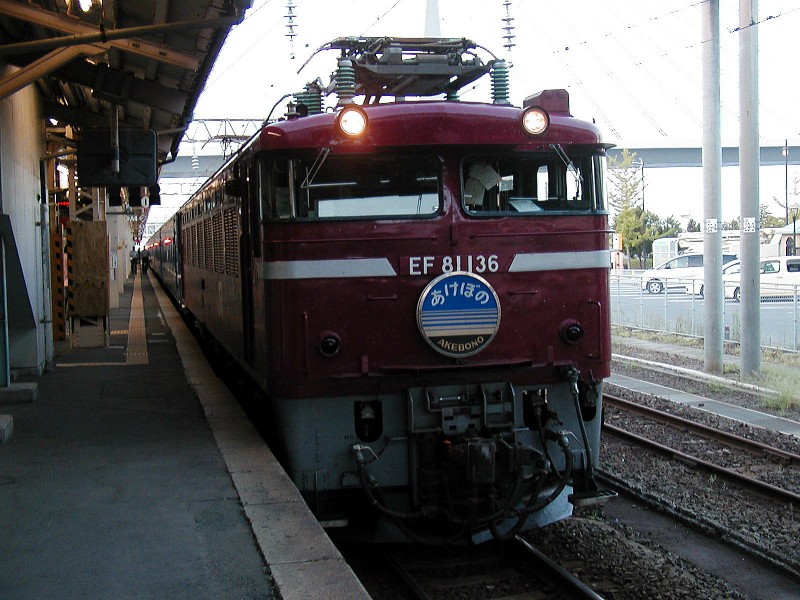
<point x="94" y="364"/>
<point x="137" y="340"/>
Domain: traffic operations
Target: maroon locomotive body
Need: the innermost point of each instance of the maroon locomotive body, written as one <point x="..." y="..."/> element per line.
<point x="421" y="291"/>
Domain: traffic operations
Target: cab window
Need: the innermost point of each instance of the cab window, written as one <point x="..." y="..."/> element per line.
<point x="532" y="183"/>
<point x="325" y="186"/>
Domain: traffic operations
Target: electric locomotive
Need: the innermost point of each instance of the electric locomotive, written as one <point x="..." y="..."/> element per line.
<point x="420" y="288"/>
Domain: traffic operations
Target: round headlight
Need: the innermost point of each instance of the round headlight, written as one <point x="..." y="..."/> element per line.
<point x="535" y="120"/>
<point x="352" y="121"/>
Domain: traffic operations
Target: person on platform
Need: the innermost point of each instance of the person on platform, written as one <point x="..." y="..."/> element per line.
<point x="134" y="259"/>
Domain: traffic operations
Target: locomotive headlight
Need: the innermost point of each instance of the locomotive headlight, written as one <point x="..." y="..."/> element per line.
<point x="535" y="120"/>
<point x="571" y="332"/>
<point x="352" y="121"/>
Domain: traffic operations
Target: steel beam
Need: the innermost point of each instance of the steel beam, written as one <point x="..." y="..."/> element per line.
<point x="41" y="67"/>
<point x="82" y="33"/>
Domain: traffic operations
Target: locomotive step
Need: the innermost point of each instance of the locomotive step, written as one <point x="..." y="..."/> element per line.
<point x="591" y="498"/>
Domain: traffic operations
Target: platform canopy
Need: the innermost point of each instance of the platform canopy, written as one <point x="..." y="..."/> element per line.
<point x="148" y="60"/>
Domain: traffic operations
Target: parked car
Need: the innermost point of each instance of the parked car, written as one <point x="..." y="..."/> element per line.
<point x="780" y="278"/>
<point x="730" y="272"/>
<point x="678" y="272"/>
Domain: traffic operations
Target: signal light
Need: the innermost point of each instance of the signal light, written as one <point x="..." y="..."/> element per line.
<point x="535" y="120"/>
<point x="352" y="121"/>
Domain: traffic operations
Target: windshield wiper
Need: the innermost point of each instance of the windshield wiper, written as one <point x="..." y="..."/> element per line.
<point x="312" y="172"/>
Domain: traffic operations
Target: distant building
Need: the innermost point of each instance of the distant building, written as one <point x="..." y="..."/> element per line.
<point x="775" y="241"/>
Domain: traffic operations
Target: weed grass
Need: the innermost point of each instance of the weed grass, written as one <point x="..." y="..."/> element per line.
<point x="780" y="371"/>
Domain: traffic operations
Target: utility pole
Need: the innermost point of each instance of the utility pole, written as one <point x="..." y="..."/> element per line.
<point x="432" y="28"/>
<point x="749" y="161"/>
<point x="785" y="152"/>
<point x="712" y="192"/>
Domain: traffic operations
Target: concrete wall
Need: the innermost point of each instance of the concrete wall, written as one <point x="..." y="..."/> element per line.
<point x="21" y="146"/>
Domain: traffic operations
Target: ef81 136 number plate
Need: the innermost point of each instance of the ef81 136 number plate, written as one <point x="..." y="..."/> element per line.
<point x="437" y="265"/>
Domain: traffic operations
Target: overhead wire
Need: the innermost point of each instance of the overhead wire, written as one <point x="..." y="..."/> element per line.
<point x="248" y="16"/>
<point x="590" y="45"/>
<point x="386" y="12"/>
<point x="621" y="82"/>
<point x="588" y="93"/>
<point x="659" y="81"/>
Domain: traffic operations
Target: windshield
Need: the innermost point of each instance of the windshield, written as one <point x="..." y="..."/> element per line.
<point x="350" y="186"/>
<point x="530" y="184"/>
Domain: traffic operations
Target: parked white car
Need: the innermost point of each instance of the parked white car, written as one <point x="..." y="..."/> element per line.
<point x="679" y="272"/>
<point x="730" y="272"/>
<point x="780" y="277"/>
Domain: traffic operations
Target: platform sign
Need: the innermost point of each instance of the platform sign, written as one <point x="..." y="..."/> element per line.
<point x="458" y="314"/>
<point x="136" y="156"/>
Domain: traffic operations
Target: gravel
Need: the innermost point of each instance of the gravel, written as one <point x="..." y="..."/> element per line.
<point x="623" y="564"/>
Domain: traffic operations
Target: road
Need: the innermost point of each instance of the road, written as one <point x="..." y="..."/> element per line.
<point x="680" y="312"/>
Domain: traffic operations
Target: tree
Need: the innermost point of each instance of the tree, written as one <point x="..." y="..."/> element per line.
<point x="731" y="225"/>
<point x="786" y="203"/>
<point x="669" y="227"/>
<point x="629" y="225"/>
<point x="693" y="226"/>
<point x="625" y="185"/>
<point x="767" y="219"/>
<point x="639" y="229"/>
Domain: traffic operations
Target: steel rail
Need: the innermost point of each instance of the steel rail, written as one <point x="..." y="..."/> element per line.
<point x="755" y="484"/>
<point x="405" y="576"/>
<point x="709" y="527"/>
<point x="748" y="445"/>
<point x="564" y="583"/>
<point x="570" y="585"/>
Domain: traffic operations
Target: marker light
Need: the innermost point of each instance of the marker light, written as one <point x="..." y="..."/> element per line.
<point x="571" y="331"/>
<point x="352" y="121"/>
<point x="329" y="345"/>
<point x="535" y="120"/>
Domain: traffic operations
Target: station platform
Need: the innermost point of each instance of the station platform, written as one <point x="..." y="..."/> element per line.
<point x="132" y="472"/>
<point x="750" y="416"/>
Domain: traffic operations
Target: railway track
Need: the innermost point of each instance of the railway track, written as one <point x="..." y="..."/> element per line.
<point x="768" y="476"/>
<point x="513" y="569"/>
<point x="756" y="458"/>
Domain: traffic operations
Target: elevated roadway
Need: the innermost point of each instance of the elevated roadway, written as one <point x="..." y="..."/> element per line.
<point x="204" y="165"/>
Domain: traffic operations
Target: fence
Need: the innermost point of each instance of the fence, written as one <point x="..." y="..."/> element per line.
<point x="680" y="309"/>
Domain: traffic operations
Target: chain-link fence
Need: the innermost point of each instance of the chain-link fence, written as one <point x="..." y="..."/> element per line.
<point x="679" y="308"/>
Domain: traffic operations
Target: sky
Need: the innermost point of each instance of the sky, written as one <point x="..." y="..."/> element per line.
<point x="633" y="67"/>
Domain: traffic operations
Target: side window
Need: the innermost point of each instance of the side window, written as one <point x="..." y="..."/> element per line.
<point x="695" y="261"/>
<point x="678" y="263"/>
<point x="792" y="267"/>
<point x="600" y="163"/>
<point x="274" y="194"/>
<point x="770" y="266"/>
